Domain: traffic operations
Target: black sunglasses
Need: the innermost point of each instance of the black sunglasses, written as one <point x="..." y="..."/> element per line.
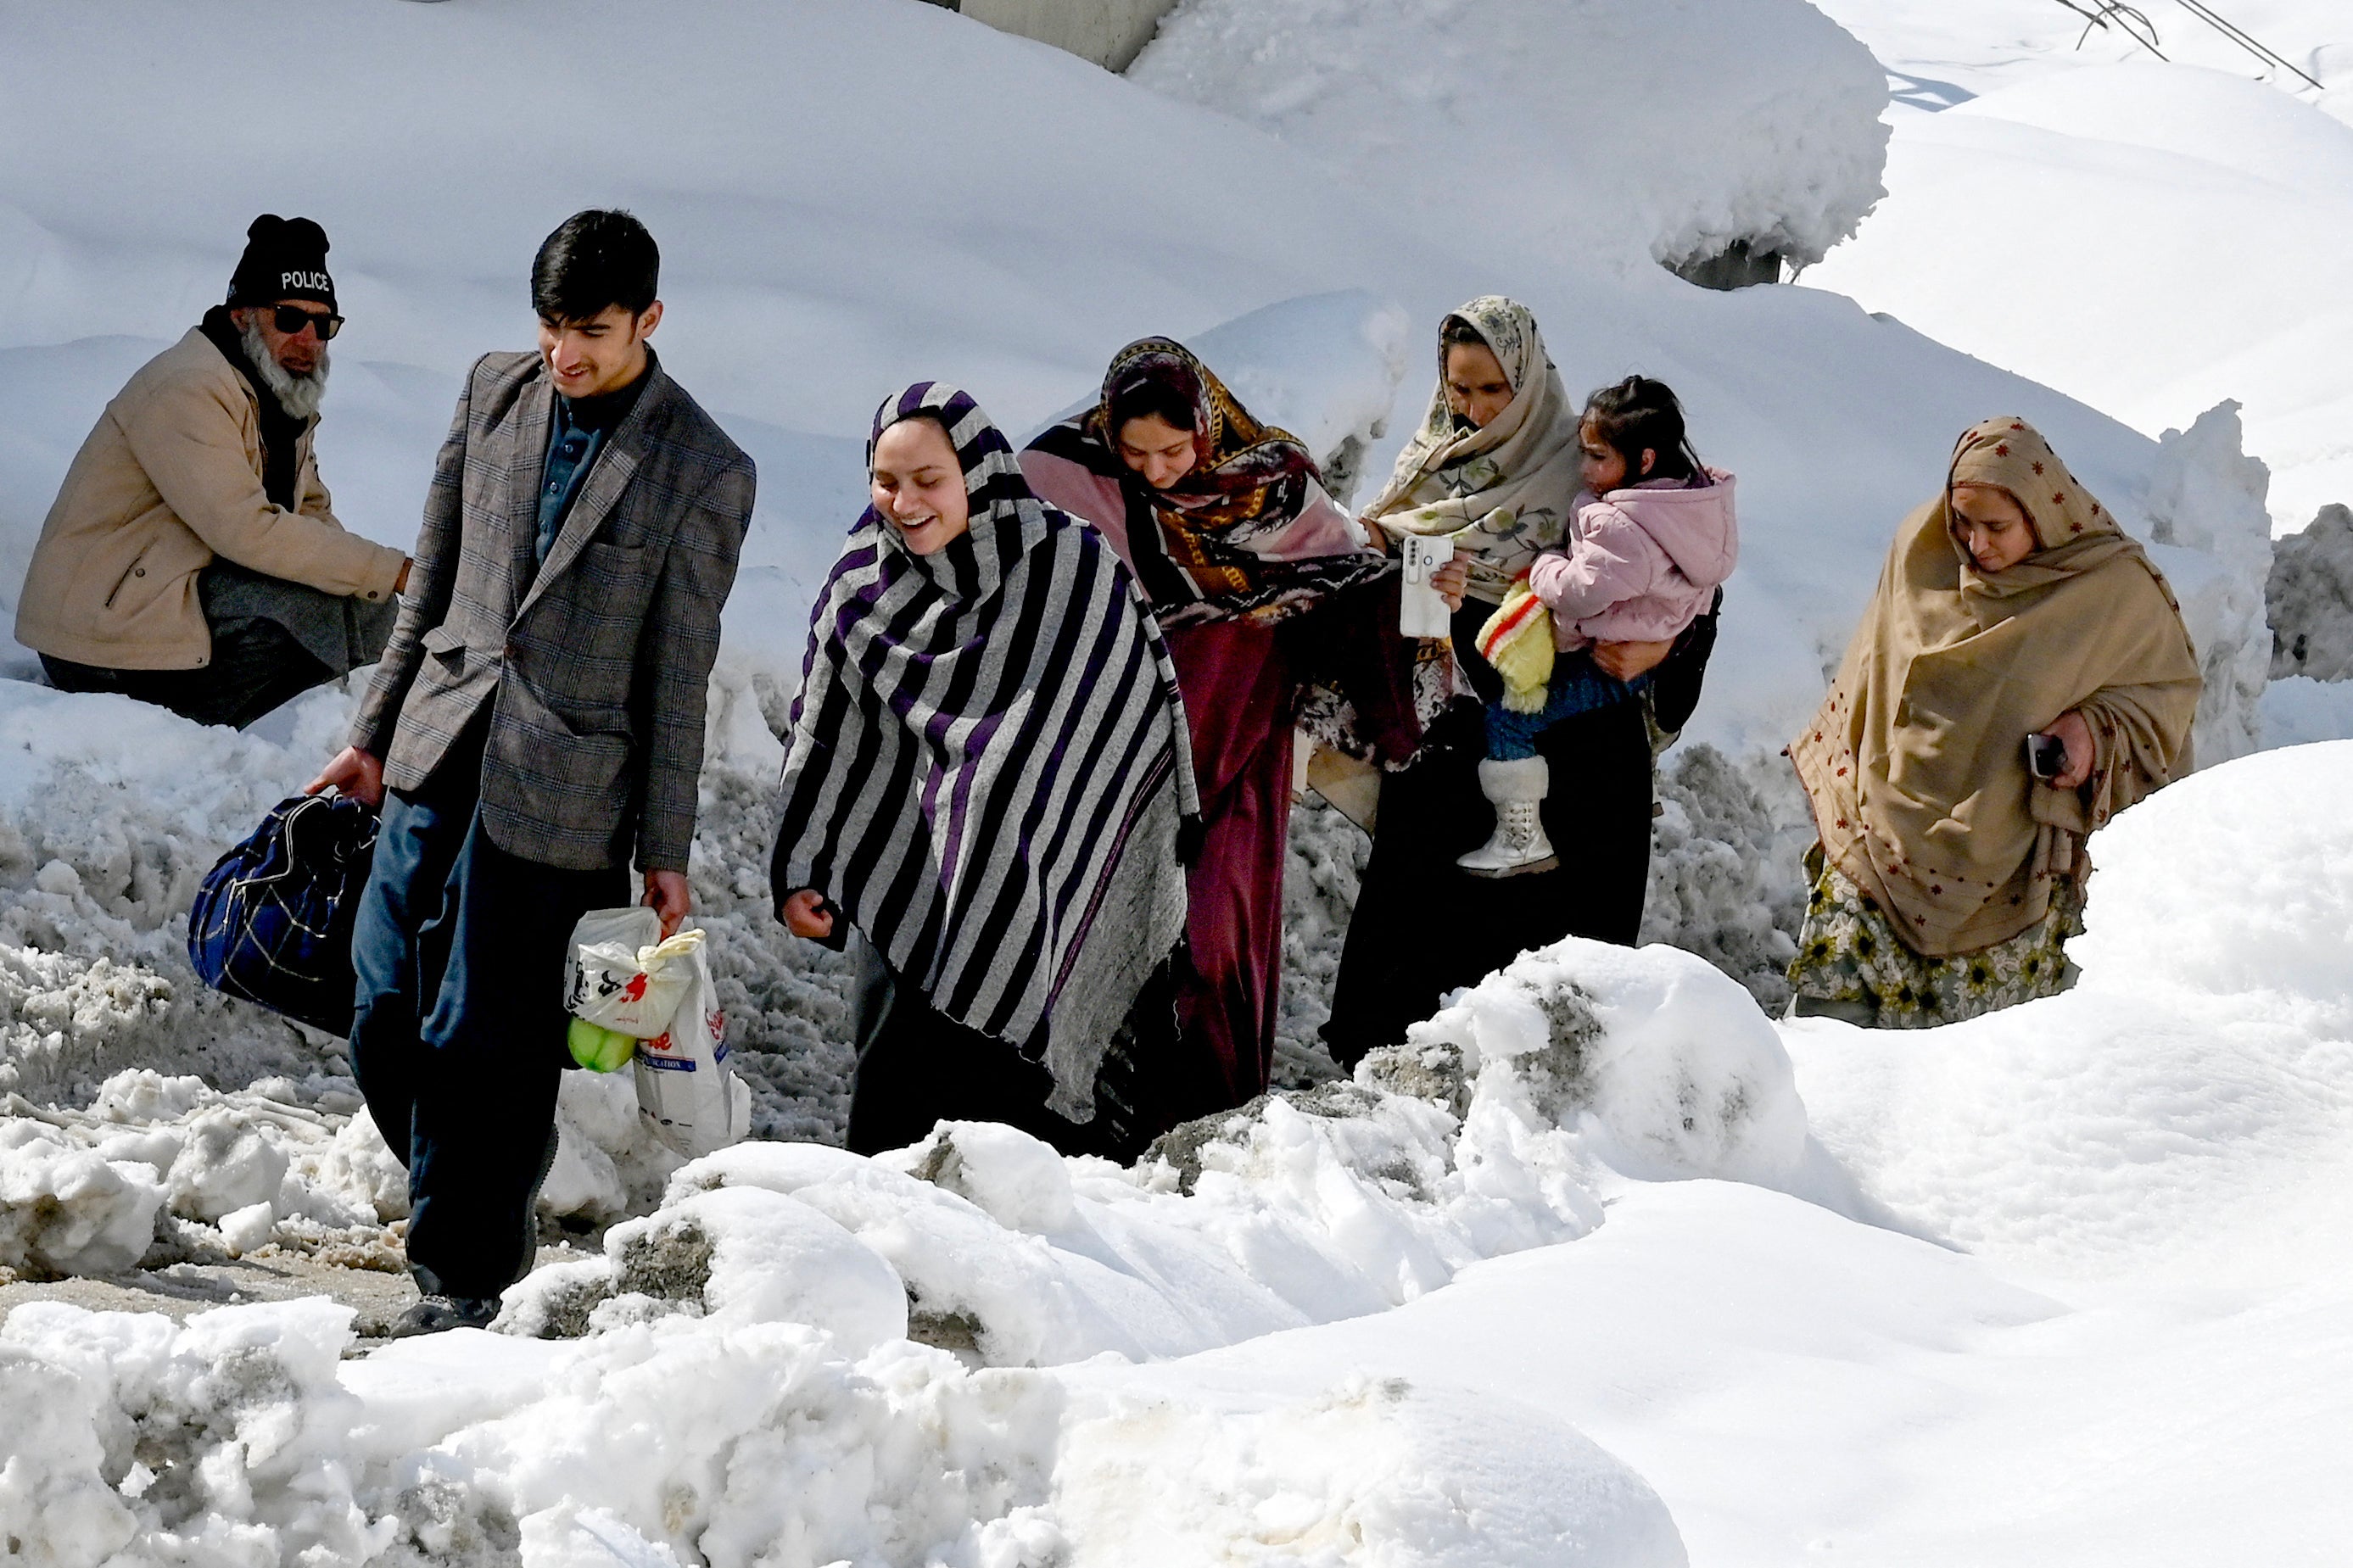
<point x="291" y="318"/>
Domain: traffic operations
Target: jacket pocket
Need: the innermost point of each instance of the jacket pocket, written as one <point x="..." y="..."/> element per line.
<point x="443" y="641"/>
<point x="136" y="569"/>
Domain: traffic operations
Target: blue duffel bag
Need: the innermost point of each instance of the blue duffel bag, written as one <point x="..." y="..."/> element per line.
<point x="272" y="922"/>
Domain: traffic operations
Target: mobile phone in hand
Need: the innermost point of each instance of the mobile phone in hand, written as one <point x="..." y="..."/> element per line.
<point x="2046" y="756"/>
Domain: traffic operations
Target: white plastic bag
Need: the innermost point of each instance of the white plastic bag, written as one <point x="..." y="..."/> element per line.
<point x="620" y="973"/>
<point x="688" y="1092"/>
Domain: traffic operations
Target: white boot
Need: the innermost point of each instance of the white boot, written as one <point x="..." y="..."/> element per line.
<point x="1516" y="790"/>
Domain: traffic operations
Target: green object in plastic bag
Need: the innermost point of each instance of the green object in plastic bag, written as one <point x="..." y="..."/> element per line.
<point x="598" y="1049"/>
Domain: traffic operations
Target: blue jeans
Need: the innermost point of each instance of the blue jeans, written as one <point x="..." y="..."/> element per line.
<point x="458" y="1038"/>
<point x="1578" y="686"/>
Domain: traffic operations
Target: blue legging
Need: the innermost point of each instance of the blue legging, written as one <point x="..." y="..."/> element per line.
<point x="1578" y="686"/>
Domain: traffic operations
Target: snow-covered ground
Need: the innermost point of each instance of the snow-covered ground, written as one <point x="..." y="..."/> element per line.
<point x="2151" y="238"/>
<point x="1604" y="1267"/>
<point x="2093" y="1311"/>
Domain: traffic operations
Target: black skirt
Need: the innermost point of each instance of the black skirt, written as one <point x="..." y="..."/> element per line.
<point x="1423" y="926"/>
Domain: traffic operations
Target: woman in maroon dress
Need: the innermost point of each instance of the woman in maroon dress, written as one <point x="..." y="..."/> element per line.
<point x="1233" y="540"/>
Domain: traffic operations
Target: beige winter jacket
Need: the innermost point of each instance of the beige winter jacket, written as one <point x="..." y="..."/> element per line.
<point x="170" y="478"/>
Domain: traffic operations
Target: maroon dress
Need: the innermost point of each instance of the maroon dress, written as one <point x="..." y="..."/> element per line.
<point x="1239" y="697"/>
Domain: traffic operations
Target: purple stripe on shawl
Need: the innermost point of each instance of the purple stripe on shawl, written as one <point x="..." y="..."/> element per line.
<point x="976" y="745"/>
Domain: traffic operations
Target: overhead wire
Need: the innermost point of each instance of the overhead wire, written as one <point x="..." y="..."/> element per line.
<point x="2244" y="39"/>
<point x="2134" y="24"/>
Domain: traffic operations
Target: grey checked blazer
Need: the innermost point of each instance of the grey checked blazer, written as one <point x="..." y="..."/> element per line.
<point x="594" y="664"/>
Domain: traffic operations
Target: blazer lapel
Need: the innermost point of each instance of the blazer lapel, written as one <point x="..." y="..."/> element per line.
<point x="615" y="465"/>
<point x="534" y="410"/>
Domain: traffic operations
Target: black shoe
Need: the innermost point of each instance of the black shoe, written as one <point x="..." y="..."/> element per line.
<point x="436" y="1314"/>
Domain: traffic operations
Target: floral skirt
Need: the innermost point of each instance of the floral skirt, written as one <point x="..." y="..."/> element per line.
<point x="1851" y="963"/>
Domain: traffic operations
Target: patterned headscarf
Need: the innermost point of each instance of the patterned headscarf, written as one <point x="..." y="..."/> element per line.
<point x="989" y="759"/>
<point x="1916" y="763"/>
<point x="1504" y="486"/>
<point x="1247" y="532"/>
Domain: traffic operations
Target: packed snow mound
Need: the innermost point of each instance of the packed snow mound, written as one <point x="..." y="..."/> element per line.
<point x="736" y="1368"/>
<point x="165" y="1170"/>
<point x="238" y="1437"/>
<point x="1419" y="1476"/>
<point x="2212" y="538"/>
<point x="2310" y="598"/>
<point x="1626" y="129"/>
<point x="2189" y="227"/>
<point x="1648" y="1062"/>
<point x="1491" y="1130"/>
<point x="2192" y="1099"/>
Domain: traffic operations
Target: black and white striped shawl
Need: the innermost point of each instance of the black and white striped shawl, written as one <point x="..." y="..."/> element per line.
<point x="988" y="763"/>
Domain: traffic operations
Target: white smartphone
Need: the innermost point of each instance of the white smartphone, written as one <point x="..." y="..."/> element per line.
<point x="1421" y="609"/>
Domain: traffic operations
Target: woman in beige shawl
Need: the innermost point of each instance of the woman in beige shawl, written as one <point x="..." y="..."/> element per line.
<point x="1948" y="876"/>
<point x="1495" y="459"/>
<point x="1497" y="455"/>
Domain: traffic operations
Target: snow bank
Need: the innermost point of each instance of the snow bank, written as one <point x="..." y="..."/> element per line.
<point x="1629" y="130"/>
<point x="231" y="1439"/>
<point x="1376" y="1469"/>
<point x="236" y="1437"/>
<point x="2299" y="710"/>
<point x="2211" y="537"/>
<point x="2187" y="225"/>
<point x="2192" y="1099"/>
<point x="739" y="1378"/>
<point x="165" y="1170"/>
<point x="1487" y="1132"/>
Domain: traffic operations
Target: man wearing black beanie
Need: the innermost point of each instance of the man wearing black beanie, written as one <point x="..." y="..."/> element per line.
<point x="193" y="559"/>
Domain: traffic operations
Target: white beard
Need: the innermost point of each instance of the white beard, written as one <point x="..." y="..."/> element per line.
<point x="299" y="396"/>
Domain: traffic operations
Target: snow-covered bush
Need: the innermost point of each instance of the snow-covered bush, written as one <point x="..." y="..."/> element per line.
<point x="2309" y="598"/>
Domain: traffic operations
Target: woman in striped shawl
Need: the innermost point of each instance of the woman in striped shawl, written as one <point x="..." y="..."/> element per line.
<point x="986" y="777"/>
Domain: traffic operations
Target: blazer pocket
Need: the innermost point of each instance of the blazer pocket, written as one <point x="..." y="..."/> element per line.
<point x="443" y="641"/>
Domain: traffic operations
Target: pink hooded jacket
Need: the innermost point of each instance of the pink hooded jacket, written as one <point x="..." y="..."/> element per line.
<point x="1640" y="564"/>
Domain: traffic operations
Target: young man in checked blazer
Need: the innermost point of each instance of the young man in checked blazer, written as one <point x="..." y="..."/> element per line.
<point x="535" y="724"/>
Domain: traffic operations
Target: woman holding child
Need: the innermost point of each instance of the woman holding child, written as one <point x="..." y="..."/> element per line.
<point x="1590" y="544"/>
<point x="2021" y="675"/>
<point x="986" y="774"/>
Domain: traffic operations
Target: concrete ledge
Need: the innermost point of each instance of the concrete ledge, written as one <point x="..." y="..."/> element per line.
<point x="1109" y="32"/>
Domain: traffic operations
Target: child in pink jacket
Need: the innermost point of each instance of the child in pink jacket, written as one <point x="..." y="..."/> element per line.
<point x="1651" y="537"/>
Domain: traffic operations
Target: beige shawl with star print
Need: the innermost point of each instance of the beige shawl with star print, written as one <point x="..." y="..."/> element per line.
<point x="1915" y="764"/>
<point x="1504" y="487"/>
